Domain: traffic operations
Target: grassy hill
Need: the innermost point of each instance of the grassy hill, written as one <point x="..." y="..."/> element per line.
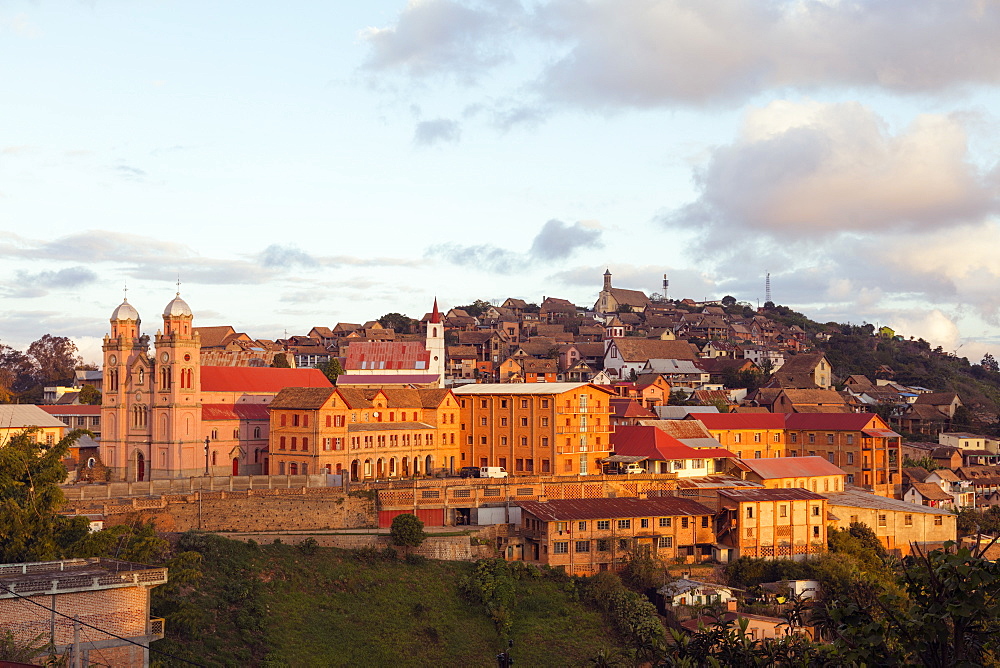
<point x="278" y="605"/>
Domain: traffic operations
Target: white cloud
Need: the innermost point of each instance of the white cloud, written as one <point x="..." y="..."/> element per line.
<point x="802" y="170"/>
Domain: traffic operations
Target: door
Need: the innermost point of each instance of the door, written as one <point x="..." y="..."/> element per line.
<point x="140" y="467"/>
<point x="236" y="465"/>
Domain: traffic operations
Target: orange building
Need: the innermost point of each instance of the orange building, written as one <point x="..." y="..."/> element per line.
<point x="748" y="435"/>
<point x="535" y="428"/>
<point x="585" y="536"/>
<point x="386" y="433"/>
<point x="813" y="473"/>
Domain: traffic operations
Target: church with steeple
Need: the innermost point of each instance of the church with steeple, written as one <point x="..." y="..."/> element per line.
<point x="165" y="415"/>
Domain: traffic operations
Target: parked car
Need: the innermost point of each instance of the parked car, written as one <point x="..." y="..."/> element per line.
<point x="633" y="468"/>
<point x="492" y="472"/>
<point x="469" y="472"/>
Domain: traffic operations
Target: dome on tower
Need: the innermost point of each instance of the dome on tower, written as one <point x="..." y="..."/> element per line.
<point x="177" y="306"/>
<point x="125" y="311"/>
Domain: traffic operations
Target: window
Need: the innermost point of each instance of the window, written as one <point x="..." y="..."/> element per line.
<point x="850" y="478"/>
<point x="545" y="466"/>
<point x="783" y="510"/>
<point x="850" y="460"/>
<point x="704" y="522"/>
<point x="503" y="440"/>
<point x="503" y="421"/>
<point x="777" y="437"/>
<point x="815" y="509"/>
<point x="829" y="439"/>
<point x="624" y="524"/>
<point x="938" y="520"/>
<point x="850" y="439"/>
<point x="749" y="512"/>
<point x="305" y="420"/>
<point x="482" y="440"/>
<point x="644" y="523"/>
<point x="603" y="525"/>
<point x="756" y="454"/>
<point x="794" y="438"/>
<point x="295" y="420"/>
<point x="881" y="520"/>
<point x="697" y="463"/>
<point x="524" y="441"/>
<point x="503" y="403"/>
<point x="560" y="547"/>
<point x="908" y="520"/>
<point x="524" y="422"/>
<point x="664" y="521"/>
<point x="545" y="441"/>
<point x="482" y="421"/>
<point x="603" y="545"/>
<point x="545" y="403"/>
<point x="582" y="546"/>
<point x="812" y="438"/>
<point x="829" y="456"/>
<point x="295" y="441"/>
<point x="283" y="419"/>
<point x="524" y="403"/>
<point x="816" y="532"/>
<point x="665" y="542"/>
<point x="305" y="443"/>
<point x="256" y="432"/>
<point x="581" y="526"/>
<point x="684" y="523"/>
<point x="622" y="543"/>
<point x="545" y="422"/>
<point x="737" y="437"/>
<point x="756" y="437"/>
<point x="482" y="403"/>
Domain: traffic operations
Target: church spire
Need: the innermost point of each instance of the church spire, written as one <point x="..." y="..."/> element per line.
<point x="435" y="314"/>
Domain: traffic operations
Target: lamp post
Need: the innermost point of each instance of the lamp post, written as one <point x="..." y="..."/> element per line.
<point x="206" y="456"/>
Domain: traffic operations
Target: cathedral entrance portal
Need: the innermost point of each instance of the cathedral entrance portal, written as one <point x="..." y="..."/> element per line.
<point x="140" y="467"/>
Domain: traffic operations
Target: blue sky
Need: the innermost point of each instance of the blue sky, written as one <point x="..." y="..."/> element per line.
<point x="303" y="165"/>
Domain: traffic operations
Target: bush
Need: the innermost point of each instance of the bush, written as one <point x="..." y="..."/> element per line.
<point x="309" y="546"/>
<point x="416" y="560"/>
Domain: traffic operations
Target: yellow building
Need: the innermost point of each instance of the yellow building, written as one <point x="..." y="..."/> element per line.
<point x="585" y="536"/>
<point x="536" y="428"/>
<point x="771" y="523"/>
<point x="15" y="418"/>
<point x="812" y="473"/>
<point x="747" y="435"/>
<point x="897" y="524"/>
<point x="386" y="433"/>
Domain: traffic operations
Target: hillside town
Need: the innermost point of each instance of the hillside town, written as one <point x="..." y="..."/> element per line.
<point x="575" y="438"/>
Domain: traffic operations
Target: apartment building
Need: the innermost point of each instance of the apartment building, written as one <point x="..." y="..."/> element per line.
<point x="535" y="428"/>
<point x="897" y="524"/>
<point x="861" y="444"/>
<point x="812" y="473"/>
<point x="585" y="536"/>
<point x="385" y="433"/>
<point x="771" y="523"/>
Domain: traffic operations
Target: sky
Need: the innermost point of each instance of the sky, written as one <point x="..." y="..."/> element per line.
<point x="302" y="164"/>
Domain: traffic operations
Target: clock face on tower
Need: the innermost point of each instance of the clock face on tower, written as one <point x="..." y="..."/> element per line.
<point x="112" y="360"/>
<point x="164" y="357"/>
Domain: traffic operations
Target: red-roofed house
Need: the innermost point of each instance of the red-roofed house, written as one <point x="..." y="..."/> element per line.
<point x="665" y="454"/>
<point x="812" y="473"/>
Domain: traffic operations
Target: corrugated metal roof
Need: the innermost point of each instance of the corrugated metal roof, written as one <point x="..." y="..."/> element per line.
<point x="717" y="482"/>
<point x="387" y="426"/>
<point x="74" y="410"/>
<point x="525" y="388"/>
<point x="741" y="420"/>
<point x="387" y="355"/>
<point x="793" y="494"/>
<point x="859" y="499"/>
<point x="588" y="509"/>
<point x="259" y="379"/>
<point x="791" y="467"/>
<point x="387" y="379"/>
<point x="22" y="416"/>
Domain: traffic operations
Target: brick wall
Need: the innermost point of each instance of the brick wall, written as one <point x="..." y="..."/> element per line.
<point x="446" y="548"/>
<point x="123" y="611"/>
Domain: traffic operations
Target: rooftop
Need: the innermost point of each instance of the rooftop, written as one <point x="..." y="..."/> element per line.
<point x="51" y="577"/>
<point x="592" y="509"/>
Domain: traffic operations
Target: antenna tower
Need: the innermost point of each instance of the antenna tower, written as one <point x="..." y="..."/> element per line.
<point x="666" y="288"/>
<point x="767" y="288"/>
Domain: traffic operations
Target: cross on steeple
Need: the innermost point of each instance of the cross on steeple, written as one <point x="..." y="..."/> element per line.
<point x="178" y="285"/>
<point x="126" y="290"/>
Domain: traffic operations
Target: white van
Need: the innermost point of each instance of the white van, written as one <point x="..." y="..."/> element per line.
<point x="492" y="472"/>
<point x="633" y="468"/>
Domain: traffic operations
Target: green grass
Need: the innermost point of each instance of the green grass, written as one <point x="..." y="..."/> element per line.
<point x="275" y="605"/>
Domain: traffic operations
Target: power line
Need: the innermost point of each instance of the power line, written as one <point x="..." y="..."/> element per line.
<point x="54" y="611"/>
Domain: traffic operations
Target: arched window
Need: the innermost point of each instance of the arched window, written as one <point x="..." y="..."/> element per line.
<point x="215" y="456"/>
<point x="256" y="432"/>
<point x="305" y="469"/>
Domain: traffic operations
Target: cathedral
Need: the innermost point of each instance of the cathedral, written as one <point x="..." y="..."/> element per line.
<point x="165" y="415"/>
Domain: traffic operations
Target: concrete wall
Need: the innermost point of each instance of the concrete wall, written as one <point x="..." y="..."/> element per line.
<point x="446" y="548"/>
<point x="302" y="509"/>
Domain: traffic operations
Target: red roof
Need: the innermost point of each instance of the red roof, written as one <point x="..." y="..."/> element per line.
<point x="791" y="467"/>
<point x="387" y="355"/>
<point x="235" y="412"/>
<point x="741" y="420"/>
<point x="650" y="442"/>
<point x="72" y="409"/>
<point x="623" y="407"/>
<point x="387" y="379"/>
<point x="258" y="379"/>
<point x="587" y="509"/>
<point x="829" y="421"/>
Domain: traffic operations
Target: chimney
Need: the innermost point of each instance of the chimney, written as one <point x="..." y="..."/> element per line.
<point x="731" y="605"/>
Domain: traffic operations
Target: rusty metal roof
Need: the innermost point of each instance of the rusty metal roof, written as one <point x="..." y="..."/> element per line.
<point x="593" y="509"/>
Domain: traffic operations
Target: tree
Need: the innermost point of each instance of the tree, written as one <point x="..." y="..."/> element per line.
<point x="331" y="368"/>
<point x="729" y="300"/>
<point x="398" y="322"/>
<point x="281" y="361"/>
<point x="989" y="363"/>
<point x="17" y="373"/>
<point x="90" y="395"/>
<point x="55" y="358"/>
<point x="407" y="531"/>
<point x="476" y="308"/>
<point x="926" y="462"/>
<point x="30" y="473"/>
